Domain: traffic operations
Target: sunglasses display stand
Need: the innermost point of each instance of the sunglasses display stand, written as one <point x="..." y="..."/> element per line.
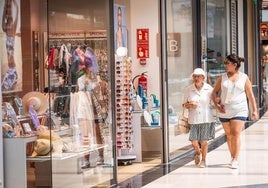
<point x="125" y="138"/>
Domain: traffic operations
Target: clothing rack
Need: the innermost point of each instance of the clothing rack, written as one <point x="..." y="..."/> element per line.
<point x="76" y="38"/>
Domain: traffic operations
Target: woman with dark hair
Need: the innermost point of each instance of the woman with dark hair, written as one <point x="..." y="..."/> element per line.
<point x="230" y="95"/>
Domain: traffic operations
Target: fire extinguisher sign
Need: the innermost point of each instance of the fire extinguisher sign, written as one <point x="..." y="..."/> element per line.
<point x="142" y="43"/>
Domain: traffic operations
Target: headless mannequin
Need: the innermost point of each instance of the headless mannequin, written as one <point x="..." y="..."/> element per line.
<point x="85" y="112"/>
<point x="100" y="99"/>
<point x="9" y="26"/>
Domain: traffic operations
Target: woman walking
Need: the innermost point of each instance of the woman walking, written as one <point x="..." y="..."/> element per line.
<point x="197" y="99"/>
<point x="230" y="95"/>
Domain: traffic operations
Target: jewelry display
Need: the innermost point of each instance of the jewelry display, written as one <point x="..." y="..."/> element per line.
<point x="11" y="114"/>
<point x="18" y="102"/>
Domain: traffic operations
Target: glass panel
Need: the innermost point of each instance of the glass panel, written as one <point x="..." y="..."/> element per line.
<point x="179" y="65"/>
<point x="56" y="92"/>
<point x="22" y="109"/>
<point x="216" y="39"/>
<point x="78" y="74"/>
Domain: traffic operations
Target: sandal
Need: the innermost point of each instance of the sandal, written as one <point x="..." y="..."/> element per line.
<point x="197" y="158"/>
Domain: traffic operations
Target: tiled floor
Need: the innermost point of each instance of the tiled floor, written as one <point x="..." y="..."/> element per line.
<point x="150" y="160"/>
<point x="253" y="170"/>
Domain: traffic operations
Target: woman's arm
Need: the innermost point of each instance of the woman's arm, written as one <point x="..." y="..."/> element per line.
<point x="214" y="96"/>
<point x="4" y="19"/>
<point x="16" y="17"/>
<point x="251" y="98"/>
<point x="186" y="103"/>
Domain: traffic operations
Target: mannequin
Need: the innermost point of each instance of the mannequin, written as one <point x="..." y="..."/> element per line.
<point x="85" y="114"/>
<point x="9" y="26"/>
<point x="100" y="99"/>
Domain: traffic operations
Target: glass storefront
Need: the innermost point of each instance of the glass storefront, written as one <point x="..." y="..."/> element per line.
<point x="182" y="25"/>
<point x="56" y="91"/>
<point x="179" y="65"/>
<point x="71" y="113"/>
<point x="214" y="35"/>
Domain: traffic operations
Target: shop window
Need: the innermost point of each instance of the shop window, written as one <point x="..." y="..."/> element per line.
<point x="56" y="93"/>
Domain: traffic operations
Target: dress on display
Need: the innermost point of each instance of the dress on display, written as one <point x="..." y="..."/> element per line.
<point x="82" y="111"/>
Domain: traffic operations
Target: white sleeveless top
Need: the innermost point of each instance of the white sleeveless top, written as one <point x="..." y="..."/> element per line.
<point x="233" y="96"/>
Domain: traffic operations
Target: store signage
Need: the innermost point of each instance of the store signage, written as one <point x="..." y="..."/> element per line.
<point x="142" y="43"/>
<point x="78" y="34"/>
<point x="173" y="44"/>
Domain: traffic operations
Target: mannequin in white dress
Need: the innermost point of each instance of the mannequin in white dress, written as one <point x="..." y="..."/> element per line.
<point x="85" y="114"/>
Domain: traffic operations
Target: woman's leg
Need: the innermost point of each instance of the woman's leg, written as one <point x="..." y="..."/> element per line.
<point x="227" y="129"/>
<point x="87" y="132"/>
<point x="236" y="127"/>
<point x="196" y="146"/>
<point x="204" y="149"/>
<point x="198" y="151"/>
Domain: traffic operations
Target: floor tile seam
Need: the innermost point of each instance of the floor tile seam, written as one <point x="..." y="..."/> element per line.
<point x="249" y="175"/>
<point x="255" y="150"/>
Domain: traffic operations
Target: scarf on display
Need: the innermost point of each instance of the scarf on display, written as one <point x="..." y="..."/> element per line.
<point x="97" y="106"/>
<point x="100" y="120"/>
<point x="51" y="58"/>
<point x="64" y="58"/>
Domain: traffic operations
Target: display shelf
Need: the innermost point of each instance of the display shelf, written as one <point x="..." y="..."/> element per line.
<point x="150" y="127"/>
<point x="65" y="131"/>
<point x="126" y="159"/>
<point x="24" y="118"/>
<point x="66" y="155"/>
<point x="142" y="135"/>
<point x="15" y="161"/>
<point x="68" y="164"/>
<point x="15" y="150"/>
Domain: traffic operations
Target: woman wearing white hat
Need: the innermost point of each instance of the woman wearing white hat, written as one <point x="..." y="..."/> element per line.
<point x="197" y="99"/>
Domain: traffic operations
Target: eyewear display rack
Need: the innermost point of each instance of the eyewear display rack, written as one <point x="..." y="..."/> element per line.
<point x="124" y="138"/>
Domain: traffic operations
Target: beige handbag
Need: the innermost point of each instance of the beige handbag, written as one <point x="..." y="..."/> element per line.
<point x="183" y="126"/>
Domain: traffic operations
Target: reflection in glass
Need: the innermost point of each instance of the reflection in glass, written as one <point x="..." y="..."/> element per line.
<point x="180" y="66"/>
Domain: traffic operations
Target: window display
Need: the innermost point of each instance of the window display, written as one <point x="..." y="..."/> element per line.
<point x="61" y="120"/>
<point x="11" y="78"/>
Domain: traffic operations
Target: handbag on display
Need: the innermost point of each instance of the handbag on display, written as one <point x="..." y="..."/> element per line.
<point x="183" y="126"/>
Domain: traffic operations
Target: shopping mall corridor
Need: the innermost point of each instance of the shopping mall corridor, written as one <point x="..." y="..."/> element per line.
<point x="253" y="162"/>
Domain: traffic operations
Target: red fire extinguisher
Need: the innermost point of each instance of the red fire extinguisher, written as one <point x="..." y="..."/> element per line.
<point x="142" y="80"/>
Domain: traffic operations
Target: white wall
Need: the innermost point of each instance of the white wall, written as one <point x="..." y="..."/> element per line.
<point x="145" y="14"/>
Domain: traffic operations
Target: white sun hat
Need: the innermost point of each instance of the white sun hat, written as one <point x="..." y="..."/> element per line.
<point x="199" y="71"/>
